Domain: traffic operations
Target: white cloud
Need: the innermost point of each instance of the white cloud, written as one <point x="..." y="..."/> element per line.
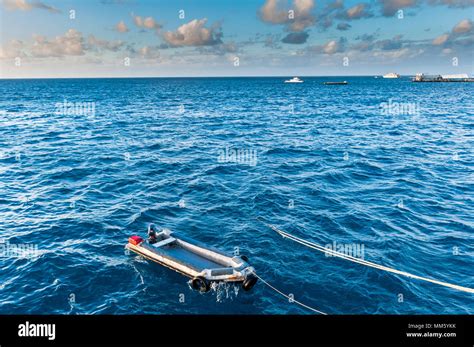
<point x="397" y="54"/>
<point x="456" y="34"/>
<point x="275" y="12"/>
<point x="390" y="7"/>
<point x="24" y="5"/>
<point x="137" y="20"/>
<point x="146" y="23"/>
<point x="463" y="26"/>
<point x="440" y="40"/>
<point x="331" y="47"/>
<point x="148" y="52"/>
<point x="303" y="16"/>
<point x="13" y="49"/>
<point x="357" y="11"/>
<point x="194" y="33"/>
<point x="70" y="44"/>
<point x="121" y="27"/>
<point x="271" y="12"/>
<point x="95" y="43"/>
<point x="150" y="23"/>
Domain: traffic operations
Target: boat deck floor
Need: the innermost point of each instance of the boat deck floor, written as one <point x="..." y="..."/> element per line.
<point x="188" y="258"/>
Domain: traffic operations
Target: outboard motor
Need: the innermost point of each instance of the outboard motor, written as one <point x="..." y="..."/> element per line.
<point x="152" y="233"/>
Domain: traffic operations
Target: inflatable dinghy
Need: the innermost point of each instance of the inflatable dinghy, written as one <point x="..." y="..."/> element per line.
<point x="203" y="264"/>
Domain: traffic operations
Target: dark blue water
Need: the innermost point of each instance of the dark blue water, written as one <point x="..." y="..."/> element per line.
<point x="330" y="167"/>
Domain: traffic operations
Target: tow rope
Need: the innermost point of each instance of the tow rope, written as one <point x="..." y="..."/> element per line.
<point x="291" y="300"/>
<point x="361" y="261"/>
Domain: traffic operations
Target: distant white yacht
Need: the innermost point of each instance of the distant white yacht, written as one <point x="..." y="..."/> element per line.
<point x="391" y="75"/>
<point x="294" y="80"/>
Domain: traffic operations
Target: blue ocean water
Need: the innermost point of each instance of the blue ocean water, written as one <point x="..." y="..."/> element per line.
<point x="384" y="164"/>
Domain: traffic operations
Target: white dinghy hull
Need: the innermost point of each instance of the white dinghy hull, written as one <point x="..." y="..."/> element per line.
<point x="195" y="260"/>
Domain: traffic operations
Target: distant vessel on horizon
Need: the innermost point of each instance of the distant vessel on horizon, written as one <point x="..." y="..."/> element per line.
<point x="420" y="77"/>
<point x="391" y="75"/>
<point x="331" y="83"/>
<point x="294" y="80"/>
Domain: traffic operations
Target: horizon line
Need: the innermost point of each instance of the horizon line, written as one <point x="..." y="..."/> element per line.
<point x="165" y="77"/>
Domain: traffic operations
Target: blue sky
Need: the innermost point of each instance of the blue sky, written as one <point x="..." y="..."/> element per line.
<point x="234" y="38"/>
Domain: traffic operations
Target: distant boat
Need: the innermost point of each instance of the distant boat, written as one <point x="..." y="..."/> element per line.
<point x="391" y="75"/>
<point x="420" y="77"/>
<point x="294" y="80"/>
<point x="336" y="83"/>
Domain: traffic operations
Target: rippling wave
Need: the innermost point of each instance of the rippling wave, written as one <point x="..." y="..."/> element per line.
<point x="329" y="167"/>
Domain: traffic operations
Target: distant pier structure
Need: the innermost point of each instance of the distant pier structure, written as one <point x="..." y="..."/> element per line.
<point x="419" y="77"/>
